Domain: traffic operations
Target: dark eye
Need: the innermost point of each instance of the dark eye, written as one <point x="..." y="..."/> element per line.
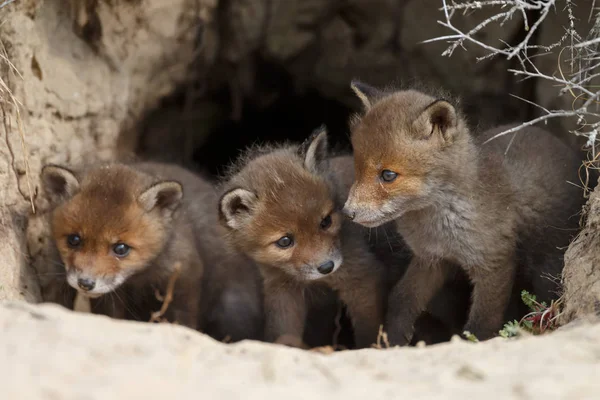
<point x="388" y="176"/>
<point x="121" y="249"/>
<point x="74" y="240"/>
<point x="285" y="242"/>
<point x="326" y="222"/>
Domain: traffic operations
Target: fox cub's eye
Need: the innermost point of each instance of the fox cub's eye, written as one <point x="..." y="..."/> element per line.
<point x="74" y="240"/>
<point x="388" y="176"/>
<point x="121" y="249"/>
<point x="326" y="222"/>
<point x="285" y="242"/>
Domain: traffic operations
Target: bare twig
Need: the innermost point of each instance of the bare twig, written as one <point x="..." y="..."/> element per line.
<point x="382" y="339"/>
<point x="580" y="82"/>
<point x="168" y="297"/>
<point x="6" y="2"/>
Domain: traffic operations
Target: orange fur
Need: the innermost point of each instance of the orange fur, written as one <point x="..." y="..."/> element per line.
<point x="102" y="224"/>
<point x="218" y="290"/>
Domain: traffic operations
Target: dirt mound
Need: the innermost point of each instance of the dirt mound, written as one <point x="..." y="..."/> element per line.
<point x="85" y="76"/>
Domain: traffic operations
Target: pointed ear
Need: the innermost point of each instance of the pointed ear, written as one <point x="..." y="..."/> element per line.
<point x="367" y="94"/>
<point x="441" y="117"/>
<point x="165" y="196"/>
<point x="235" y="207"/>
<point x="59" y="183"/>
<point x="315" y="150"/>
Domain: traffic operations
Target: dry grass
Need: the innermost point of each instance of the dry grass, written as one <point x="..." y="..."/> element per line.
<point x="10" y="102"/>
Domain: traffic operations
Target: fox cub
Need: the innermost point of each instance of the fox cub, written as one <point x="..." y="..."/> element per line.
<point x="281" y="208"/>
<point x="446" y="312"/>
<point x="496" y="209"/>
<point x="121" y="230"/>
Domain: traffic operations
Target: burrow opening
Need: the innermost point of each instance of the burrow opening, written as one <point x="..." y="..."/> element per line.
<point x="202" y="134"/>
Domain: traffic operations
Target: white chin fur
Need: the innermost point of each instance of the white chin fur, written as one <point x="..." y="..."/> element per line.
<point x="373" y="223"/>
<point x="314" y="275"/>
<point x="102" y="287"/>
<point x="90" y="295"/>
<point x="370" y="224"/>
<point x="377" y="221"/>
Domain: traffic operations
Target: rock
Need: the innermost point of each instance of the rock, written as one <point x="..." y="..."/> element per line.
<point x="48" y="352"/>
<point x="243" y="27"/>
<point x="322" y="45"/>
<point x="291" y="26"/>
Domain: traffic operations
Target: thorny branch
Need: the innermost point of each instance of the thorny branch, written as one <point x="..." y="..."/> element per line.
<point x="580" y="80"/>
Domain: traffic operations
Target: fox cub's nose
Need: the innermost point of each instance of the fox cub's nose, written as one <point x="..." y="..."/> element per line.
<point x="86" y="283"/>
<point x="348" y="214"/>
<point x="326" y="268"/>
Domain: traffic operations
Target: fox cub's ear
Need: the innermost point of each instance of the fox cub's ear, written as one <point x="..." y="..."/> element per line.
<point x="165" y="196"/>
<point x="235" y="207"/>
<point x="315" y="151"/>
<point x="439" y="117"/>
<point x="367" y="94"/>
<point x="59" y="183"/>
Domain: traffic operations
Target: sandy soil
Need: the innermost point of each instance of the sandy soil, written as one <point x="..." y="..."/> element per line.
<point x="48" y="352"/>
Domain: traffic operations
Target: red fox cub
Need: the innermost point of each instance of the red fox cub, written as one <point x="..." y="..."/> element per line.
<point x="281" y="207"/>
<point x="498" y="209"/>
<point x="121" y="230"/>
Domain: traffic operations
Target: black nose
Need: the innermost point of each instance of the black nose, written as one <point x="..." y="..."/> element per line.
<point x="348" y="214"/>
<point x="326" y="268"/>
<point x="86" y="284"/>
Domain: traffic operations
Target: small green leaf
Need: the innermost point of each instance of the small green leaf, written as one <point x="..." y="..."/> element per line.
<point x="470" y="337"/>
<point x="511" y="329"/>
<point x="531" y="301"/>
<point x="528" y="324"/>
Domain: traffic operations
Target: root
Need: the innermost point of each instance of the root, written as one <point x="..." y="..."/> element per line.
<point x="382" y="339"/>
<point x="82" y="304"/>
<point x="338" y="325"/>
<point x="6" y="96"/>
<point x="157" y="316"/>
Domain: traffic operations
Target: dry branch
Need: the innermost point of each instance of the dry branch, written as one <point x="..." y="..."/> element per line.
<point x="382" y="339"/>
<point x="583" y="50"/>
<point x="157" y="316"/>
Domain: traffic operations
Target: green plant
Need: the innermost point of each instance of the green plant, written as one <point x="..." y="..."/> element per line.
<point x="541" y="319"/>
<point x="511" y="329"/>
<point x="470" y="337"/>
